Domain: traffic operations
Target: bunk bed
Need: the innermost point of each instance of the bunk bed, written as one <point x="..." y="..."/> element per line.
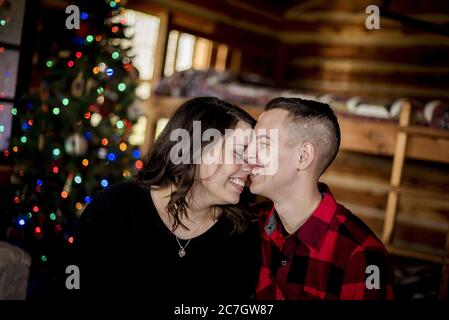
<point x="399" y="130"/>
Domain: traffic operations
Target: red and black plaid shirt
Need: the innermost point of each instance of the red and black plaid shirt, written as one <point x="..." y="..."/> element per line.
<point x="327" y="258"/>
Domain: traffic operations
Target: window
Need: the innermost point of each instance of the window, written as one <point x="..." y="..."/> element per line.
<point x="144" y="29"/>
<point x="186" y="51"/>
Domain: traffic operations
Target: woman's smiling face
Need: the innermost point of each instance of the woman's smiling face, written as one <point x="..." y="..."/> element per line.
<point x="223" y="182"/>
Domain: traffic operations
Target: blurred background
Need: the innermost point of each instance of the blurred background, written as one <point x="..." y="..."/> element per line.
<point x="86" y="86"/>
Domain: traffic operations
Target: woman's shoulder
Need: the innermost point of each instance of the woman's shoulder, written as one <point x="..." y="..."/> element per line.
<point x="127" y="191"/>
<point x="120" y="197"/>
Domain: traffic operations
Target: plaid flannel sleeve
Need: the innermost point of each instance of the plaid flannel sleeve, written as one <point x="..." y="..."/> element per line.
<point x="368" y="276"/>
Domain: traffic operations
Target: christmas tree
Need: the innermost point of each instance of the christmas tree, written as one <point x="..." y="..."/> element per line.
<point x="72" y="139"/>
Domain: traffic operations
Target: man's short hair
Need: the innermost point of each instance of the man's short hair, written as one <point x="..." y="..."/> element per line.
<point x="311" y="121"/>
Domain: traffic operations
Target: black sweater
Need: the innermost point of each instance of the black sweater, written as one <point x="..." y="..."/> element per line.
<point x="127" y="251"/>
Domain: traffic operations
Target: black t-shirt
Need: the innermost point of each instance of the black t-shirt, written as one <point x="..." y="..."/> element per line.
<point x="127" y="251"/>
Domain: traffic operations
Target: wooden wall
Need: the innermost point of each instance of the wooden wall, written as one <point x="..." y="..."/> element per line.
<point x="330" y="49"/>
<point x="230" y="22"/>
<point x="323" y="45"/>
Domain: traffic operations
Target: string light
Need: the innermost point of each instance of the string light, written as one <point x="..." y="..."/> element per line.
<point x="115" y="29"/>
<point x="78" y="206"/>
<point x="55" y="111"/>
<point x="123" y="147"/>
<point x="70" y="64"/>
<point x="65" y="101"/>
<point x="120" y="124"/>
<point x="49" y="63"/>
<point x="96" y="70"/>
<point x="100" y="90"/>
<point x="87" y="115"/>
<point x="78" y="54"/>
<point x="115" y="55"/>
<point x="38" y="230"/>
<point x="44" y="258"/>
<point x="52" y="216"/>
<point x="35" y="209"/>
<point x="23" y="139"/>
<point x="104" y="183"/>
<point x="87" y="199"/>
<point x="136" y="154"/>
<point x="14" y="111"/>
<point x="55" y="170"/>
<point x="121" y="87"/>
<point x="78" y="179"/>
<point x="126" y="173"/>
<point x="2" y="128"/>
<point x="109" y="72"/>
<point x="71" y="239"/>
<point x="84" y="16"/>
<point x="64" y="194"/>
<point x="111" y="156"/>
<point x="16" y="200"/>
<point x="39" y="182"/>
<point x="21" y="222"/>
<point x="15" y="149"/>
<point x="85" y="162"/>
<point x="138" y="164"/>
<point x="56" y="152"/>
<point x="104" y="141"/>
<point x="89" y="38"/>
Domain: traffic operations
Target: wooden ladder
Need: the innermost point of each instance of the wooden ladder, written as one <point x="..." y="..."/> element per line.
<point x="405" y="133"/>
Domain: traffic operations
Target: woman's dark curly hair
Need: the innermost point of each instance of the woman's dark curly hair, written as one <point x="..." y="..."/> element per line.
<point x="160" y="172"/>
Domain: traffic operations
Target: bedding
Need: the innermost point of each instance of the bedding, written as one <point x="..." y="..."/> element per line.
<point x="251" y="90"/>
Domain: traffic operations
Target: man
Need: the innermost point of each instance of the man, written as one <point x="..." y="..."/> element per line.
<point x="312" y="247"/>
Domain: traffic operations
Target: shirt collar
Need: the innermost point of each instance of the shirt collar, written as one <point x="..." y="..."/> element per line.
<point x="313" y="229"/>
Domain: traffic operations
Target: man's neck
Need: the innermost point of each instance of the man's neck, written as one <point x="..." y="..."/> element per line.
<point x="294" y="209"/>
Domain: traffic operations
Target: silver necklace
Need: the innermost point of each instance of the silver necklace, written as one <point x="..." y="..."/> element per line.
<point x="182" y="251"/>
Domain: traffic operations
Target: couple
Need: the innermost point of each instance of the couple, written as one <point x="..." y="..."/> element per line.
<point x="189" y="232"/>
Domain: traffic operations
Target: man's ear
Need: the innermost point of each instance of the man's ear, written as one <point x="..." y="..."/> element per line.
<point x="306" y="156"/>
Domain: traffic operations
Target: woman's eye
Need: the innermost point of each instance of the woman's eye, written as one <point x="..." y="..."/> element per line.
<point x="238" y="155"/>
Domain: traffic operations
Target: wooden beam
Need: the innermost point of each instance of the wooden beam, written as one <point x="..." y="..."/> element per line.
<point x="416" y="23"/>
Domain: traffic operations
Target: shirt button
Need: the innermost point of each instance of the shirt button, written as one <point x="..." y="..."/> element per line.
<point x="284" y="262"/>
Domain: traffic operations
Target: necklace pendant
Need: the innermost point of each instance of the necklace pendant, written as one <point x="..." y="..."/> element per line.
<point x="182" y="252"/>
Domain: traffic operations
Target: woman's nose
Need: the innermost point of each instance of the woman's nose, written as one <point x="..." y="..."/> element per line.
<point x="250" y="154"/>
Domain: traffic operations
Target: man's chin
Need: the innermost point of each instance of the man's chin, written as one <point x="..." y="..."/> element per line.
<point x="256" y="188"/>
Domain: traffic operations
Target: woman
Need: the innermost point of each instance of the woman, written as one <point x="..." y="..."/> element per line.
<point x="180" y="229"/>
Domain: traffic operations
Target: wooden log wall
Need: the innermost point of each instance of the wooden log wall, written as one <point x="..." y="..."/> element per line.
<point x="331" y="50"/>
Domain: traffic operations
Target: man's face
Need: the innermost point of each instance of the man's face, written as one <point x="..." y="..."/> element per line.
<point x="272" y="173"/>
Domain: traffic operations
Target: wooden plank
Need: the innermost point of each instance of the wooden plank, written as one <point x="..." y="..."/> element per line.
<point x="413" y="254"/>
<point x="159" y="56"/>
<point x="428" y="148"/>
<point x="435" y="55"/>
<point x="369" y="89"/>
<point x="372" y="137"/>
<point x="432" y="78"/>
